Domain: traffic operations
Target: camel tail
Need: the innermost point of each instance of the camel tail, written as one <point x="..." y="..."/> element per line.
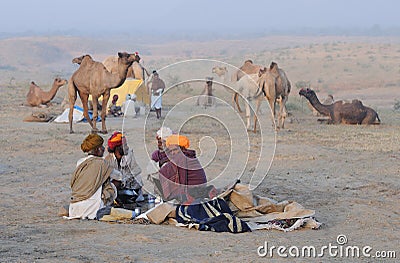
<point x="379" y="120"/>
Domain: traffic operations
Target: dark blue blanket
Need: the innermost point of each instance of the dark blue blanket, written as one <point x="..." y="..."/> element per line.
<point x="214" y="215"/>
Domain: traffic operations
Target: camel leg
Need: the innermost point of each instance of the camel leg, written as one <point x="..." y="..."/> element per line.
<point x="271" y="102"/>
<point x="72" y="99"/>
<point x="248" y="113"/>
<point x="95" y="102"/>
<point x="236" y="101"/>
<point x="84" y="99"/>
<point x="282" y="112"/>
<point x="106" y="97"/>
<point x="258" y="104"/>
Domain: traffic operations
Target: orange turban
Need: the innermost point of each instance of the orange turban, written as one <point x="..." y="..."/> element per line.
<point x="91" y="142"/>
<point x="176" y="139"/>
<point x="117" y="139"/>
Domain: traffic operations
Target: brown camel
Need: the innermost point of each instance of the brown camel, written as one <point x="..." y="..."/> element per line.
<point x="38" y="97"/>
<point x="328" y="100"/>
<point x="274" y="85"/>
<point x="94" y="79"/>
<point x="136" y="71"/>
<point x="282" y="87"/>
<point x="342" y="113"/>
<point x="85" y="59"/>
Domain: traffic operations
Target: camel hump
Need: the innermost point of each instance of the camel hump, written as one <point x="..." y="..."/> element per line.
<point x="357" y="102"/>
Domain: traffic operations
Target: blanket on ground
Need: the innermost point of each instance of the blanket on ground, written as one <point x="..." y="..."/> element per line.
<point x="213" y="215"/>
<point x="235" y="210"/>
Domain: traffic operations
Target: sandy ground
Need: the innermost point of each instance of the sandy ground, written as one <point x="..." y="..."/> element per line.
<point x="348" y="174"/>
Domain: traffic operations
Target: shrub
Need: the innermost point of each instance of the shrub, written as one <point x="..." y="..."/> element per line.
<point x="396" y="105"/>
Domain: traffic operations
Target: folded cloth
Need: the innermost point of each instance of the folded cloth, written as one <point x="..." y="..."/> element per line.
<point x="213" y="215"/>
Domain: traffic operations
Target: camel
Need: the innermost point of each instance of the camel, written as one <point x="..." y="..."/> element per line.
<point x="341" y="112"/>
<point x="38" y="97"/>
<point x="258" y="87"/>
<point x="136" y="71"/>
<point x="247" y="68"/>
<point x="274" y="86"/>
<point x="93" y="78"/>
<point x="85" y="59"/>
<point x="282" y="90"/>
<point x="328" y="100"/>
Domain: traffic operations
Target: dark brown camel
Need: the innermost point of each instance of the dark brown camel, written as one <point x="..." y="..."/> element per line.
<point x="94" y="79"/>
<point x="341" y="112"/>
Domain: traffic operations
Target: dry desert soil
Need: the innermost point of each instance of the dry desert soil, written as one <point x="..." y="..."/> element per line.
<point x="348" y="174"/>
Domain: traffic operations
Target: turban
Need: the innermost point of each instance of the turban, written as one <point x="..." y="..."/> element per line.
<point x="117" y="139"/>
<point x="91" y="142"/>
<point x="176" y="139"/>
<point x="164" y="132"/>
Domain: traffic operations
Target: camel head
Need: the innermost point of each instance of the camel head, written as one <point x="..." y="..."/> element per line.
<point x="59" y="82"/>
<point x="137" y="57"/>
<point x="126" y="58"/>
<point x="262" y="71"/>
<point x="78" y="60"/>
<point x="307" y="93"/>
<point x="220" y="71"/>
<point x="273" y="65"/>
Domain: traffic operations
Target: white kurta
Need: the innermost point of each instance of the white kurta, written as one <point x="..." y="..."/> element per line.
<point x="86" y="208"/>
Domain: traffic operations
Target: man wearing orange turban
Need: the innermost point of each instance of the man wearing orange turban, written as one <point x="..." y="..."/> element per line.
<point x="183" y="171"/>
<point x="90" y="184"/>
<point x="180" y="140"/>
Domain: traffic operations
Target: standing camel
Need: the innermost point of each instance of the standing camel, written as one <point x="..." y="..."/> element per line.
<point x="247" y="68"/>
<point x="272" y="85"/>
<point x="282" y="88"/>
<point x="136" y="71"/>
<point x="94" y="79"/>
<point x="38" y="97"/>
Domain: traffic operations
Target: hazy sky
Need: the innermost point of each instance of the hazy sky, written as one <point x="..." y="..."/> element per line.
<point x="199" y="15"/>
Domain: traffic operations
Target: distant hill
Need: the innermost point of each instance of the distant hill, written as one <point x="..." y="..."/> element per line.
<point x="330" y="64"/>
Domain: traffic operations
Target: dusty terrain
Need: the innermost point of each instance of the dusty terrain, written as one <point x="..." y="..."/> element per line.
<point x="348" y="174"/>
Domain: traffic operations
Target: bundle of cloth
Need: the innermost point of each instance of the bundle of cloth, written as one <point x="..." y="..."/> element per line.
<point x="235" y="210"/>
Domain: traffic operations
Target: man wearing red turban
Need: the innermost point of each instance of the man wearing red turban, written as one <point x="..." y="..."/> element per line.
<point x="122" y="159"/>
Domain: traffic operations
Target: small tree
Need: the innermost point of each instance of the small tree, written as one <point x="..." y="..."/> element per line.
<point x="396" y="105"/>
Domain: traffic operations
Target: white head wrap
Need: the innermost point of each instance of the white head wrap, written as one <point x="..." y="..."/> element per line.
<point x="164" y="132"/>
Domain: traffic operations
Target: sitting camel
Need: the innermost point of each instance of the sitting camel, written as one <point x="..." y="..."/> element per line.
<point x="94" y="79"/>
<point x="328" y="100"/>
<point x="136" y="71"/>
<point x="40" y="98"/>
<point x="342" y="113"/>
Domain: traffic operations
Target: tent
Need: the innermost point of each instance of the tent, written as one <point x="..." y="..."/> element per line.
<point x="77" y="116"/>
<point x="130" y="86"/>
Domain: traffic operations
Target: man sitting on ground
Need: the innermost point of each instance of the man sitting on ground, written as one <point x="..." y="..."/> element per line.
<point x="90" y="183"/>
<point x="122" y="159"/>
<point x="182" y="172"/>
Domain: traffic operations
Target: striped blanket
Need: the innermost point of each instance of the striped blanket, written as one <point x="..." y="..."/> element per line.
<point x="214" y="215"/>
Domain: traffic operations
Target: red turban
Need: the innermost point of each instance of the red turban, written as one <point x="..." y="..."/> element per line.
<point x="116" y="139"/>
